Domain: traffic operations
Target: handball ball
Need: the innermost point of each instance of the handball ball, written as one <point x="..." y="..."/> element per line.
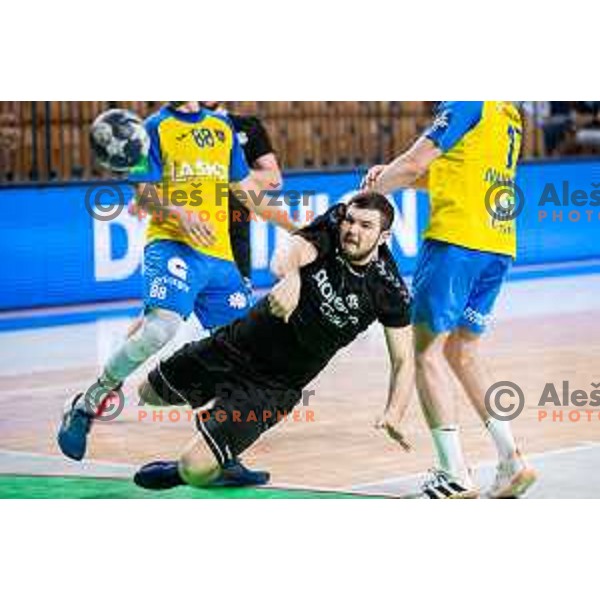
<point x="119" y="139"/>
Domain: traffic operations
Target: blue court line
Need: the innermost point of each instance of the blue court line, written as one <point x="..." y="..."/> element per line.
<point x="583" y="267"/>
<point x="71" y="316"/>
<point x="67" y="318"/>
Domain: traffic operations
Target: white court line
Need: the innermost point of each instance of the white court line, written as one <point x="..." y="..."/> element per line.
<point x="490" y="463"/>
<point x="109" y="470"/>
<point x="59" y="459"/>
<point x="113" y="470"/>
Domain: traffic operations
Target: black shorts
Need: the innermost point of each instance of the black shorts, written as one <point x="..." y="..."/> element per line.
<point x="238" y="403"/>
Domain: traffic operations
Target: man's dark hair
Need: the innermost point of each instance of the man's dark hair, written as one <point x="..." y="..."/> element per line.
<point x="375" y="201"/>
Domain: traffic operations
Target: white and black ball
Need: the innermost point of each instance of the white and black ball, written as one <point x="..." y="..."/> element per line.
<point x="119" y="140"/>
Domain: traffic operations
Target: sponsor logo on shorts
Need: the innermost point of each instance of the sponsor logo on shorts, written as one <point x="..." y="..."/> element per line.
<point x="477" y="318"/>
<point x="159" y="286"/>
<point x="178" y="267"/>
<point x="238" y="300"/>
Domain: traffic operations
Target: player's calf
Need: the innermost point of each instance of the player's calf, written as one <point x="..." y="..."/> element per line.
<point x="198" y="466"/>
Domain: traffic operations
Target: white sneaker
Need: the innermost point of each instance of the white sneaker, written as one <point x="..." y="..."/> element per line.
<point x="443" y="486"/>
<point x="513" y="478"/>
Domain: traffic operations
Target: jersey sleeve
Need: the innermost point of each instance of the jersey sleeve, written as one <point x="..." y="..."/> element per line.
<point x="452" y="121"/>
<point x="323" y="232"/>
<point x="150" y="169"/>
<point x="392" y="298"/>
<point x="259" y="143"/>
<point x="238" y="167"/>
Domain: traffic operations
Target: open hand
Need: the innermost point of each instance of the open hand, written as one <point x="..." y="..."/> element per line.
<point x="393" y="432"/>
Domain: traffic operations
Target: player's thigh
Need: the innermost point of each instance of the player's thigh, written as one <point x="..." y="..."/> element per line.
<point x="171" y="277"/>
<point x="191" y="374"/>
<point x="225" y="298"/>
<point x="480" y="305"/>
<point x="441" y="285"/>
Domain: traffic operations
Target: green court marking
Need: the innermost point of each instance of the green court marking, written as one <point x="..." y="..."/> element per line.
<point x="24" y="486"/>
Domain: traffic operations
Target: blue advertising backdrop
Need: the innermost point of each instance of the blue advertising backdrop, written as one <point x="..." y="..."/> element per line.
<point x="54" y="252"/>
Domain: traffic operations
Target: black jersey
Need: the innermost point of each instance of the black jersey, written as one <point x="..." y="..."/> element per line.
<point x="255" y="143"/>
<point x="337" y="302"/>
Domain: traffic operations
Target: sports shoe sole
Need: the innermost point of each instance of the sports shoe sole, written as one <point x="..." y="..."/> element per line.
<point x="472" y="494"/>
<point x="518" y="485"/>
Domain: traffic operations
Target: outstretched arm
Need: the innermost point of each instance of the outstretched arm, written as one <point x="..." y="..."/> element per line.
<point x="404" y="170"/>
<point x="453" y="120"/>
<point x="401" y="383"/>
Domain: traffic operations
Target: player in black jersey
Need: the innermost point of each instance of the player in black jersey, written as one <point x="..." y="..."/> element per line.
<point x="336" y="277"/>
<point x="261" y="159"/>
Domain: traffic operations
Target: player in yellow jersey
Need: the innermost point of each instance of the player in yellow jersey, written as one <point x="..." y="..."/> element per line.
<point x="469" y="149"/>
<point x="194" y="159"/>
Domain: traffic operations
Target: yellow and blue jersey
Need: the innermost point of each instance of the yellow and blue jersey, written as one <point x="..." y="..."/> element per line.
<point x="193" y="158"/>
<point x="481" y="143"/>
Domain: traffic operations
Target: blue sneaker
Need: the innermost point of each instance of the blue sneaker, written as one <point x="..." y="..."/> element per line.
<point x="160" y="475"/>
<point x="235" y="474"/>
<point x="74" y="429"/>
<point x="164" y="475"/>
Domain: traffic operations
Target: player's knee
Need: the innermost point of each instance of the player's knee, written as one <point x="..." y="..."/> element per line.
<point x="460" y="354"/>
<point x="148" y="396"/>
<point x="197" y="469"/>
<point x="428" y="358"/>
<point x="159" y="328"/>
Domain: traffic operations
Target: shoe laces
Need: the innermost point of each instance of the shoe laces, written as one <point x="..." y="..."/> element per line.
<point x="435" y="477"/>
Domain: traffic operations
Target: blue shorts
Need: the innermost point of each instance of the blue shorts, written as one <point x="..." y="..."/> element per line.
<point x="456" y="287"/>
<point x="180" y="279"/>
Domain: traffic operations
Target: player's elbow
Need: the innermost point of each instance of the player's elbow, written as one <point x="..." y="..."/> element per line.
<point x="278" y="266"/>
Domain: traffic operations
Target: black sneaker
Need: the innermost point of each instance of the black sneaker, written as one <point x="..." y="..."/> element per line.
<point x="235" y="474"/>
<point x="160" y="475"/>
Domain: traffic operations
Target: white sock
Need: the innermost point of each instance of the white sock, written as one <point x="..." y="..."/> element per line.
<point x="154" y="332"/>
<point x="503" y="438"/>
<point x="449" y="450"/>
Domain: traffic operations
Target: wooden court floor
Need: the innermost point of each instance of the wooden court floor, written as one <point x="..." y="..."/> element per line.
<point x="340" y="447"/>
